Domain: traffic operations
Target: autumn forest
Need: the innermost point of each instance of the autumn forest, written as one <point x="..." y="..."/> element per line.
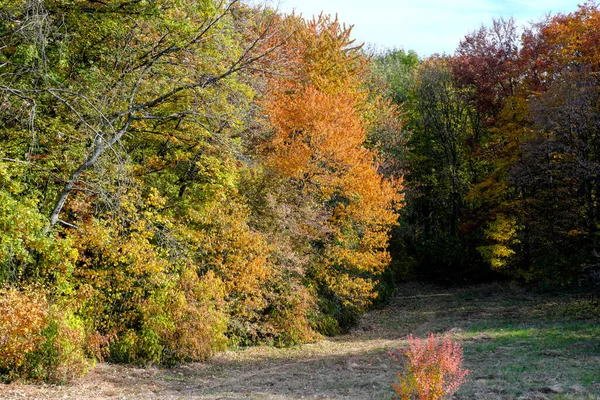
<point x="181" y="177"/>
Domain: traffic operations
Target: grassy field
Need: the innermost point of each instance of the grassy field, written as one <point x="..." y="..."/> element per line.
<point x="517" y="345"/>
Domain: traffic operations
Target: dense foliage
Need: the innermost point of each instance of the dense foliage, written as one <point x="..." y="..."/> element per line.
<point x="180" y="176"/>
<point x="502" y="159"/>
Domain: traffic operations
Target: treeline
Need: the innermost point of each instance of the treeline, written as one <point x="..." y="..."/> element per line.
<point x="177" y="176"/>
<point x="502" y="163"/>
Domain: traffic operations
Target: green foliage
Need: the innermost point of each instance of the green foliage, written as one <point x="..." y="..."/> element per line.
<point x="440" y="166"/>
<point x="397" y="69"/>
<point x="26" y="253"/>
<point x="499" y="159"/>
<point x="61" y="357"/>
<point x="136" y="192"/>
<point x="187" y="322"/>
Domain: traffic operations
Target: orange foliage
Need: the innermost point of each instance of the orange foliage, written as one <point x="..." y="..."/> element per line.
<point x="240" y="258"/>
<point x="319" y="121"/>
<point x="24" y="316"/>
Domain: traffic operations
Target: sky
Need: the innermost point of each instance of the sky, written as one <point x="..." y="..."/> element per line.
<point x="426" y="26"/>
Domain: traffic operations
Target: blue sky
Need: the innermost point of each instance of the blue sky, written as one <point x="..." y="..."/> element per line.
<point x="426" y="26"/>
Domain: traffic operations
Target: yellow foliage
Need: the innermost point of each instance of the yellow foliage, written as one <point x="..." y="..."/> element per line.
<point x="501" y="233"/>
<point x="189" y="317"/>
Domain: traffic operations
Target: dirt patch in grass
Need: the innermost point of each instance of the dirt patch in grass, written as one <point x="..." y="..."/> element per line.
<point x="518" y="345"/>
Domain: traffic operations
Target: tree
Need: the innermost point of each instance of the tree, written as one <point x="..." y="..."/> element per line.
<point x="135" y="86"/>
<point x="319" y="129"/>
<point x="441" y="168"/>
<point x="132" y="112"/>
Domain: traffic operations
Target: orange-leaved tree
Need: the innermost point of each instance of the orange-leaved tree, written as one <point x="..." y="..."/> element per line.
<point x="319" y="112"/>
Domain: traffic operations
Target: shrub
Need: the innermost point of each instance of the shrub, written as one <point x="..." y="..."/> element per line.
<point x="188" y="319"/>
<point x="39" y="341"/>
<point x="61" y="357"/>
<point x="289" y="306"/>
<point x="24" y="317"/>
<point x="433" y="368"/>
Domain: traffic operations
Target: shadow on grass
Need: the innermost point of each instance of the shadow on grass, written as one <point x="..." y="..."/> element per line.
<point x="517" y="345"/>
<point x="357" y="376"/>
<point x="514" y="346"/>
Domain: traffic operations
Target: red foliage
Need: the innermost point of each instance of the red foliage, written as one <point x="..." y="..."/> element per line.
<point x="433" y="369"/>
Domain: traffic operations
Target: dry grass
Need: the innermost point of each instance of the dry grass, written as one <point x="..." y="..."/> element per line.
<point x="518" y="345"/>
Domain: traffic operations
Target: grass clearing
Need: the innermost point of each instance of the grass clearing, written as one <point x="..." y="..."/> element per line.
<point x="517" y="344"/>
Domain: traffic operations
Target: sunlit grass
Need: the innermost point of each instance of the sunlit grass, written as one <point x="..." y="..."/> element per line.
<point x="517" y="345"/>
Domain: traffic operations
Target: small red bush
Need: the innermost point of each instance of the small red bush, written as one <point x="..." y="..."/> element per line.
<point x="433" y="368"/>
